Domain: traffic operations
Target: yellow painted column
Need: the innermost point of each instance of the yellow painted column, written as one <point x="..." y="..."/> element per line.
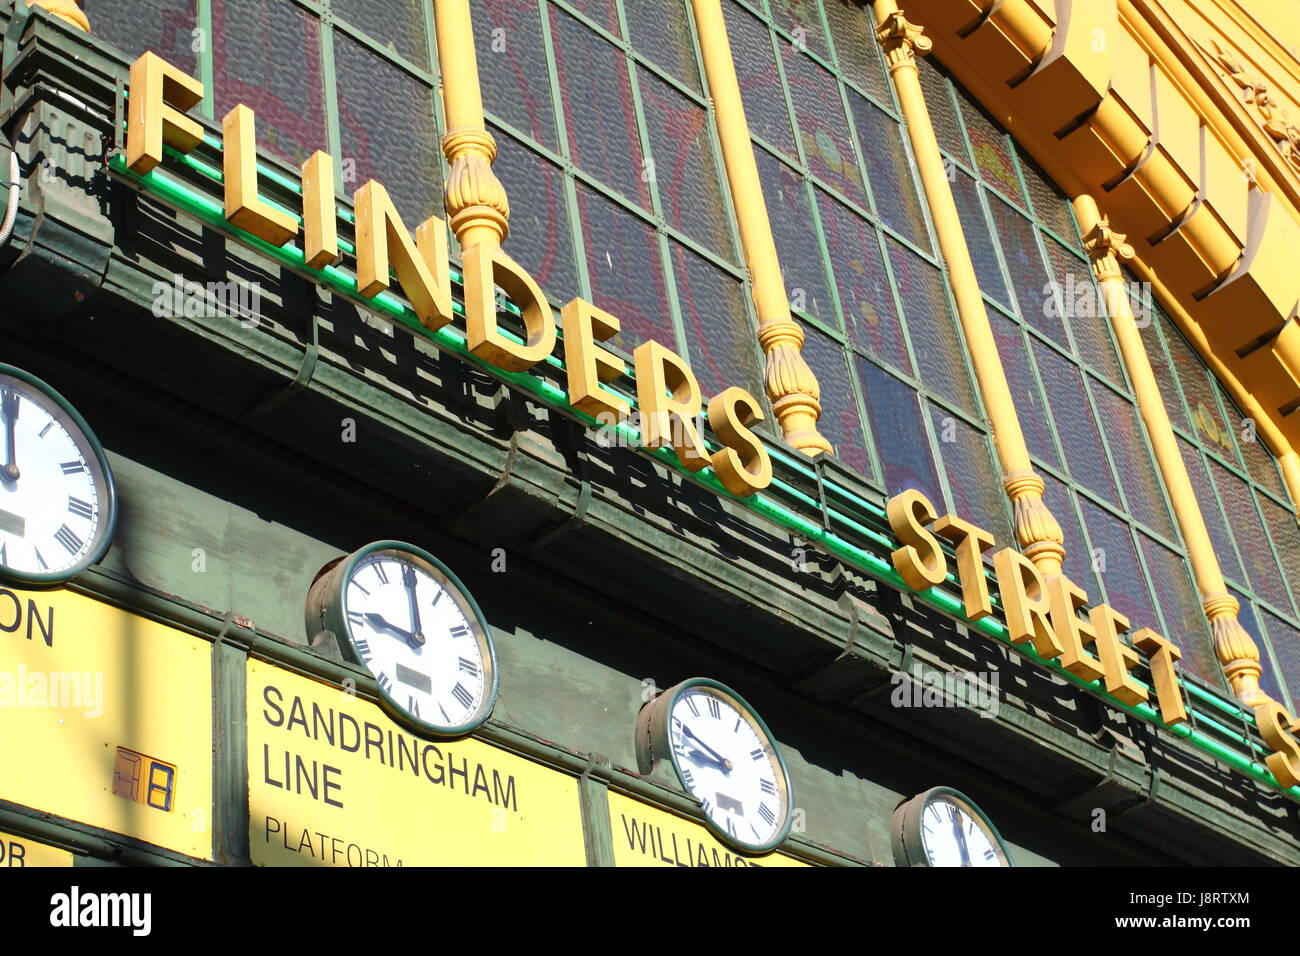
<point x="475" y="199"/>
<point x="1236" y="649"/>
<point x="791" y="385"/>
<point x="1037" y="531"/>
<point x="64" y="9"/>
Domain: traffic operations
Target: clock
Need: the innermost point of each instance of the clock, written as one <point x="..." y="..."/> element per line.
<point x="725" y="757"/>
<point x="942" y="827"/>
<point x="402" y="615"/>
<point x="58" y="503"/>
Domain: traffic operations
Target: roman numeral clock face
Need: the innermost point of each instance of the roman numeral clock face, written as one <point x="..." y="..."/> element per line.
<point x="422" y="637"/>
<point x="57" y="506"/>
<point x="942" y="827"/>
<point x="724" y="756"/>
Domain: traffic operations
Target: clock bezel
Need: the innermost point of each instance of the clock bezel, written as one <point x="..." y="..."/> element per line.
<point x="332" y="616"/>
<point x="905" y="835"/>
<point x="54" y="579"/>
<point x="653" y="743"/>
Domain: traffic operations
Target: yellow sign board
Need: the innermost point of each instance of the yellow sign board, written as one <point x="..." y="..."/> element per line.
<point x="79" y="680"/>
<point x="20" y="851"/>
<point x="333" y="781"/>
<point x="647" y="836"/>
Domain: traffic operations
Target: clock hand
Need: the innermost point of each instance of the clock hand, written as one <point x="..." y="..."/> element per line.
<point x="408" y="580"/>
<point x="717" y="758"/>
<point x="378" y="620"/>
<point x="961" y="837"/>
<point x="10" y="409"/>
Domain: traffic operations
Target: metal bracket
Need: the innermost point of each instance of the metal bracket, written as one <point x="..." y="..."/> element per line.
<point x="577" y="438"/>
<point x="278" y="396"/>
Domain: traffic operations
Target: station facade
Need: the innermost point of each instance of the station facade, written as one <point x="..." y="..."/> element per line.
<point x="913" y="383"/>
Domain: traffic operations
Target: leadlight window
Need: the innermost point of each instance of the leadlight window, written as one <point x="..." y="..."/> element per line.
<point x="1250" y="521"/>
<point x="603" y="104"/>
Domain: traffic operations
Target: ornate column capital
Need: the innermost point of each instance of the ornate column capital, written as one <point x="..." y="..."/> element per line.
<point x="901" y="40"/>
<point x="1106" y="248"/>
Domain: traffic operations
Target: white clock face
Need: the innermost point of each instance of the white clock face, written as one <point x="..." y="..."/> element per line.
<point x="953" y="836"/>
<point x="724" y="757"/>
<point x="54" y="495"/>
<point x="420" y="638"/>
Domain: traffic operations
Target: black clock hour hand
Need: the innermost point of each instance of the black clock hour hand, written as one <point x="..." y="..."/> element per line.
<point x="378" y="620"/>
<point x="708" y="751"/>
<point x="10" y="410"/>
<point x="408" y="581"/>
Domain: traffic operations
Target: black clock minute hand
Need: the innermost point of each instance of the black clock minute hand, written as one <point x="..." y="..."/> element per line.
<point x="961" y="838"/>
<point x="711" y="753"/>
<point x="408" y="580"/>
<point x="10" y="410"/>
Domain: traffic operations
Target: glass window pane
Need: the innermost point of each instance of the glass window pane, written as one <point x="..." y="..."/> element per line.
<point x="898" y="203"/>
<point x="854" y="35"/>
<point x="685" y="170"/>
<point x="937" y="344"/>
<point x="1050" y="206"/>
<point x="1085" y="456"/>
<point x="823" y="129"/>
<point x="597" y="95"/>
<point x="988" y="143"/>
<point x="625" y="269"/>
<point x="803" y="21"/>
<point x="1038" y="305"/>
<point x="1164" y="373"/>
<point x="1079" y="565"/>
<point x="1249" y="534"/>
<point x="512" y="66"/>
<point x="398" y="146"/>
<point x="865" y="295"/>
<point x="541" y="236"/>
<point x="1142" y="485"/>
<point x="164" y="26"/>
<point x="1229" y="563"/>
<point x="902" y="442"/>
<point x="840" y="423"/>
<point x="1121" y="575"/>
<point x="972" y="478"/>
<point x="1286" y="538"/>
<point x="1084" y="311"/>
<point x="267" y="56"/>
<point x="603" y="12"/>
<point x="721" y="337"/>
<point x="760" y="84"/>
<point x="398" y="25"/>
<point x="802" y="266"/>
<point x="1270" y="676"/>
<point x="939" y="104"/>
<point x="1182" y="610"/>
<point x="1212" y="429"/>
<point x="980" y="238"/>
<point x="661" y="33"/>
<point x="1286" y="648"/>
<point x="1031" y="410"/>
